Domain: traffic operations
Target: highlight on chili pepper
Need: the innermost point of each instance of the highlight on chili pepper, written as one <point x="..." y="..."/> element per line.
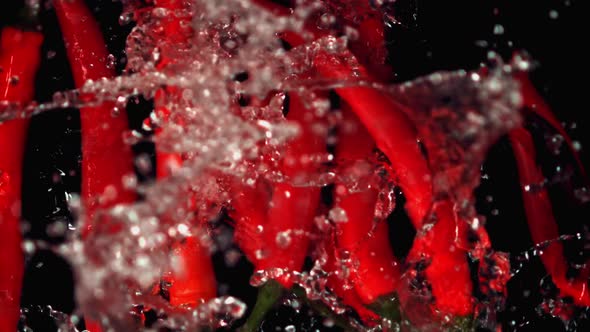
<point x="260" y="165"/>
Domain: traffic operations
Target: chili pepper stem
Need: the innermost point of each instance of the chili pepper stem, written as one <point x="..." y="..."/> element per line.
<point x="461" y="324"/>
<point x="323" y="310"/>
<point x="268" y="295"/>
<point x="388" y="307"/>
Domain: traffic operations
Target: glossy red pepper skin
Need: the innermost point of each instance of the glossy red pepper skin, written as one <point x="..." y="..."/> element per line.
<point x="349" y="296"/>
<point x="542" y="224"/>
<point x="191" y="276"/>
<point x="540" y="218"/>
<point x="193" y="279"/>
<point x="447" y="270"/>
<point x="19" y="61"/>
<point x="534" y="103"/>
<point x="102" y="133"/>
<point x="292" y="208"/>
<point x="395" y="135"/>
<point x="363" y="236"/>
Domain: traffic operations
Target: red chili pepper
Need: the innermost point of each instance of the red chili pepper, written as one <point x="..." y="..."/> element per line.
<point x="191" y="278"/>
<point x="395" y="135"/>
<point x="540" y="218"/>
<point x="364" y="238"/>
<point x="275" y="235"/>
<point x="447" y="272"/>
<point x="537" y="202"/>
<point x="293" y="207"/>
<point x="19" y="61"/>
<point x="349" y="296"/>
<point x="102" y="134"/>
<point x="369" y="46"/>
<point x="533" y="102"/>
<point x="287" y="220"/>
<point x="273" y="7"/>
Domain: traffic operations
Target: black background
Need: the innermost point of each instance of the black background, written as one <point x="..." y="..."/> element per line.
<point x="450" y="34"/>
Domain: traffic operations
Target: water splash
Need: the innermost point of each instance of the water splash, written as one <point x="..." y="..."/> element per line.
<point x="225" y="52"/>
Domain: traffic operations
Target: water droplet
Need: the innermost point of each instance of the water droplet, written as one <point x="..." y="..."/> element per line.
<point x="338" y="215"/>
<point x="14" y="80"/>
<point x="498" y="29"/>
<point x="283" y="239"/>
<point x="582" y="194"/>
<point x="111" y="61"/>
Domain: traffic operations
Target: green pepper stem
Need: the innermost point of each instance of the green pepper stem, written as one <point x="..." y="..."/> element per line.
<point x="387" y="306"/>
<point x="268" y="295"/>
<point x="323" y="310"/>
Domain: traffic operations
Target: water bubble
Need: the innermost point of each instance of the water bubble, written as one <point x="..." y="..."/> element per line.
<point x="13" y="80"/>
<point x="582" y="194"/>
<point x="232" y="257"/>
<point x="338" y="215"/>
<point x="143" y="163"/>
<point x="283" y="239"/>
<point x="29" y="247"/>
<point x="57" y="229"/>
<point x="126" y="18"/>
<point x="111" y="61"/>
<point x="498" y="29"/>
<point x="554" y="143"/>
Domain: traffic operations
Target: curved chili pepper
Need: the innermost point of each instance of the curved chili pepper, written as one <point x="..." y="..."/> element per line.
<point x="533" y="102"/>
<point x="336" y="282"/>
<point x="191" y="278"/>
<point x="294" y="207"/>
<point x="537" y="202"/>
<point x="369" y="46"/>
<point x="283" y="242"/>
<point x="366" y="239"/>
<point x="396" y="136"/>
<point x="448" y="271"/>
<point x="19" y="61"/>
<point x="102" y="134"/>
<point x="291" y="207"/>
<point x="540" y="218"/>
